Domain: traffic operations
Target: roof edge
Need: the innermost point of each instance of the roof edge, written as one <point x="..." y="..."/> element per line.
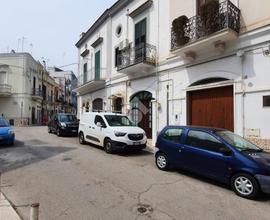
<point x="119" y="5"/>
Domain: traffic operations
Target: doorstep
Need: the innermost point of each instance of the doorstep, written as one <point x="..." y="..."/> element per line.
<point x="7" y="212"/>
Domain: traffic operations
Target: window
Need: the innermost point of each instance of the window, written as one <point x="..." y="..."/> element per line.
<point x="203" y="140"/>
<point x="118" y="60"/>
<point x="100" y="120"/>
<point x="140" y="32"/>
<point x="173" y="134"/>
<point x="117" y="107"/>
<point x="3" y="77"/>
<point x="97" y="65"/>
<point x="118" y="120"/>
<point x="200" y="3"/>
<point x="118" y="31"/>
<point x="266" y="101"/>
<point x="85" y="73"/>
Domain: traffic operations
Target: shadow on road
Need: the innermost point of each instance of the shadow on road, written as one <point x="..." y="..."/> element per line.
<point x="26" y="153"/>
<point x="262" y="198"/>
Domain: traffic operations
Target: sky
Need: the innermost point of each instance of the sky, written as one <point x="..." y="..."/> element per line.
<point x="48" y="28"/>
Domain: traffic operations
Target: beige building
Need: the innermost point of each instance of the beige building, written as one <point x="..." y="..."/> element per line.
<point x="27" y="92"/>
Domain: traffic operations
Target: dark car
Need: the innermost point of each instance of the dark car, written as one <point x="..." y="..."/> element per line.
<point x="64" y="124"/>
<point x="7" y="135"/>
<point x="218" y="154"/>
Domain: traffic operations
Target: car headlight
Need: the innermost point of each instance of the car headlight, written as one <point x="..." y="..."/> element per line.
<point x="11" y="132"/>
<point x="63" y="124"/>
<point x="119" y="134"/>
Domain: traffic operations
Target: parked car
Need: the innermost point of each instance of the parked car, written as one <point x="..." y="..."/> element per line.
<point x="7" y="135"/>
<point x="111" y="131"/>
<point x="218" y="154"/>
<point x="64" y="124"/>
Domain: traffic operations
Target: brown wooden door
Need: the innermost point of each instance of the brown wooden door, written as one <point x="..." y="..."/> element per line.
<point x="211" y="107"/>
<point x="146" y="120"/>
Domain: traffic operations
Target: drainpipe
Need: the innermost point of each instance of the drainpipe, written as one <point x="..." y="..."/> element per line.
<point x="241" y="55"/>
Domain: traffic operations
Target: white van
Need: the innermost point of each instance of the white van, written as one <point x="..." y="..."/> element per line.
<point x="111" y="131"/>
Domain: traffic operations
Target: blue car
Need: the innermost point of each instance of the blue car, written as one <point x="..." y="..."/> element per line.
<point x="217" y="154"/>
<point x="7" y="135"/>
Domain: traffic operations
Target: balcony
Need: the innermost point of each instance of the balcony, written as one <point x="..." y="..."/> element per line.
<point x="37" y="94"/>
<point x="202" y="34"/>
<point x="5" y="90"/>
<point x="91" y="81"/>
<point x="139" y="59"/>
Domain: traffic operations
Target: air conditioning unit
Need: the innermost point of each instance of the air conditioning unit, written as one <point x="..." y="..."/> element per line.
<point x="123" y="44"/>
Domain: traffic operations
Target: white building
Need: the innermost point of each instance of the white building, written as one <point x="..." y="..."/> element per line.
<point x="199" y="72"/>
<point x="27" y="92"/>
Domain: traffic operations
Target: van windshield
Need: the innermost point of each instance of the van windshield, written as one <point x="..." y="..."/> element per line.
<point x="238" y="142"/>
<point x="118" y="120"/>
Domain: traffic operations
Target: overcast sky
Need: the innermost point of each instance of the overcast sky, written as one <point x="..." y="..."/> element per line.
<point x="51" y="27"/>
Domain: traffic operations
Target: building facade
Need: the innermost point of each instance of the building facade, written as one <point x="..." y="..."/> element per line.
<point x="26" y="90"/>
<point x="68" y="82"/>
<point x="180" y="62"/>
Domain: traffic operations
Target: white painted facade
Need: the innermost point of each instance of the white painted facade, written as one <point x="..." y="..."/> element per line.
<point x="243" y="63"/>
<point x="20" y="97"/>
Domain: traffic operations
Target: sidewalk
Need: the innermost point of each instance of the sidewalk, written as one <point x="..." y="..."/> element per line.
<point x="6" y="210"/>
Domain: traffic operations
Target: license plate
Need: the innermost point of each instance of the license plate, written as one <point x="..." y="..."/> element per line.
<point x="74" y="130"/>
<point x="136" y="143"/>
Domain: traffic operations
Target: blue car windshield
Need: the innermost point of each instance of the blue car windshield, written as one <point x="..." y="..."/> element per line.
<point x="3" y="122"/>
<point x="237" y="142"/>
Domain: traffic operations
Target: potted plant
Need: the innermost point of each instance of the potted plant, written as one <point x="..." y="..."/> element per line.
<point x="179" y="29"/>
<point x="209" y="14"/>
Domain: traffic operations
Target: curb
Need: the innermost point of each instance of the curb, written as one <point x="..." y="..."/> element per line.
<point x="7" y="210"/>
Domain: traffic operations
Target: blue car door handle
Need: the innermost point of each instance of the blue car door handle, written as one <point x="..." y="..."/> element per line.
<point x="181" y="148"/>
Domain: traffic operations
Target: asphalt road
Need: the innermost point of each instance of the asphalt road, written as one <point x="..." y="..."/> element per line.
<point x="72" y="181"/>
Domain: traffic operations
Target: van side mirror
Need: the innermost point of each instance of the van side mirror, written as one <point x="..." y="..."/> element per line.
<point x="99" y="124"/>
<point x="226" y="151"/>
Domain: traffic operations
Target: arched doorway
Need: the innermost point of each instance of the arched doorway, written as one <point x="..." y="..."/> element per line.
<point x="97" y="105"/>
<point x="212" y="106"/>
<point x="141" y="111"/>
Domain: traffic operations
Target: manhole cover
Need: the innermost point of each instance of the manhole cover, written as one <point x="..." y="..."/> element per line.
<point x="144" y="209"/>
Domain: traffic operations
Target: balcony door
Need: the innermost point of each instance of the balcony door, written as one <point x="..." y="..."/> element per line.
<point x="97" y="65"/>
<point x="3" y="78"/>
<point x="140" y="39"/>
<point x="85" y="73"/>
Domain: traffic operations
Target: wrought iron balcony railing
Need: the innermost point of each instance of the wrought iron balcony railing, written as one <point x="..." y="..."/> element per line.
<point x="37" y="92"/>
<point x="228" y="16"/>
<point x="143" y="53"/>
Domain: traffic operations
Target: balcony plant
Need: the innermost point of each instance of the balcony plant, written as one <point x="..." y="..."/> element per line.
<point x="209" y="14"/>
<point x="179" y="26"/>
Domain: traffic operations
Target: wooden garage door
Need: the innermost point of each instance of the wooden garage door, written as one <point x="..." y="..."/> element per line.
<point x="211" y="107"/>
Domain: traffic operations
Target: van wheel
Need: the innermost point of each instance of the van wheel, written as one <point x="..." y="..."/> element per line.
<point x="49" y="130"/>
<point x="162" y="161"/>
<point x="108" y="146"/>
<point x="81" y="138"/>
<point x="245" y="185"/>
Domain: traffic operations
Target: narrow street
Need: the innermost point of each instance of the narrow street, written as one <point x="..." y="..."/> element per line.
<point x="72" y="181"/>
